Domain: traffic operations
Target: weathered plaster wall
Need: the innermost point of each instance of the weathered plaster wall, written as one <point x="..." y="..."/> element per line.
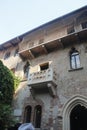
<point x="69" y="83"/>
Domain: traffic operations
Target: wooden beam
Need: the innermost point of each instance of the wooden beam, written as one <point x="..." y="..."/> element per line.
<point x="61" y="43"/>
<point x="44" y="48"/>
<point x="31" y="54"/>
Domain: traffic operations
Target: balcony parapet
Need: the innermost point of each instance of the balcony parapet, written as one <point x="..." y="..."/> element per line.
<point x="45" y="79"/>
<point x="42" y="76"/>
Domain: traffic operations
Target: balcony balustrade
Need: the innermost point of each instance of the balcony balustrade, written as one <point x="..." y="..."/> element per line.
<point x="43" y="80"/>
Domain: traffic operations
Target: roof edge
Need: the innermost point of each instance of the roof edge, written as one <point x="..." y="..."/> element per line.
<point x="45" y="24"/>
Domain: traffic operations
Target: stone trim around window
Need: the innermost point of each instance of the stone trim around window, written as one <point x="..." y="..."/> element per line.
<point x="68" y="107"/>
<point x="75" y="69"/>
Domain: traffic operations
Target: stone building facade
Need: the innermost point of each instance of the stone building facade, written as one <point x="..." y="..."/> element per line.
<point x="51" y="61"/>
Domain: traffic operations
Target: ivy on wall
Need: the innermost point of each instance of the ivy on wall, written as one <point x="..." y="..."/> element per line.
<point x="16" y="81"/>
<point x="8" y="84"/>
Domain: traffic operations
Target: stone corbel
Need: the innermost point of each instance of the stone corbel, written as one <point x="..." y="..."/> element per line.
<point x="51" y="89"/>
<point x="32" y="91"/>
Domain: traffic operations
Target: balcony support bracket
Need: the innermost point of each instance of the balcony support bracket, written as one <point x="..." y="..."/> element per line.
<point x="44" y="48"/>
<point x="32" y="92"/>
<point x="51" y="89"/>
<point x="31" y="54"/>
<point x="61" y="43"/>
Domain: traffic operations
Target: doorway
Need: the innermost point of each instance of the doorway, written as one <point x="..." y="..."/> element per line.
<point x="78" y="118"/>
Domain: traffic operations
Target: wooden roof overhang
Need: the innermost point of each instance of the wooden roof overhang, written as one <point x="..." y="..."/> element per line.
<point x="10" y="43"/>
<point x="55" y="44"/>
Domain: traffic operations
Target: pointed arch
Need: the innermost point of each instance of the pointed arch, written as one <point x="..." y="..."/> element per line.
<point x="68" y="107"/>
<point x="32" y="111"/>
<point x="37" y="116"/>
<point x="26" y="69"/>
<point x="74" y="58"/>
<point x="27" y="114"/>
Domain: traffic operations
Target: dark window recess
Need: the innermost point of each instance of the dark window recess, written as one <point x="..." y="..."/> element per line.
<point x="16" y="52"/>
<point x="44" y="66"/>
<point x="86" y="49"/>
<point x="26" y="69"/>
<point x="70" y="30"/>
<point x="28" y="111"/>
<point x="37" y="116"/>
<point x="84" y="25"/>
<point x="74" y="59"/>
<point x="7" y="55"/>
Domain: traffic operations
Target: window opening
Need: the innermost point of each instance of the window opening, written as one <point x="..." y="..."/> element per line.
<point x="16" y="52"/>
<point x="28" y="111"/>
<point x="37" y="117"/>
<point x="44" y="66"/>
<point x="70" y="30"/>
<point x="74" y="59"/>
<point x="7" y="55"/>
<point x="26" y="70"/>
<point x="84" y="25"/>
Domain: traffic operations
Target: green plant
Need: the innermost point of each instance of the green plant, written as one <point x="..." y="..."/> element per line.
<point x="6" y="117"/>
<point x="16" y="80"/>
<point x="8" y="83"/>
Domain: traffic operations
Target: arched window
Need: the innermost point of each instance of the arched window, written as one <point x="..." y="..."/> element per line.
<point x="16" y="52"/>
<point x="7" y="55"/>
<point x="37" y="116"/>
<point x="27" y="115"/>
<point x="74" y="59"/>
<point x="75" y="113"/>
<point x="26" y="70"/>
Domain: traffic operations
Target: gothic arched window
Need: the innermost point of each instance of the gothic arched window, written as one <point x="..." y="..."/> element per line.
<point x="7" y="55"/>
<point x="26" y="70"/>
<point x="74" y="59"/>
<point x="27" y="116"/>
<point x="37" y="116"/>
<point x="16" y="52"/>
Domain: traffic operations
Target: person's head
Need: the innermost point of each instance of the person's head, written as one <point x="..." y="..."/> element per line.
<point x="26" y="126"/>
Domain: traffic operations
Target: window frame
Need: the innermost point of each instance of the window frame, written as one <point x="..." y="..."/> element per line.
<point x="84" y="25"/>
<point x="70" y="30"/>
<point x="16" y="52"/>
<point x="74" y="59"/>
<point x="44" y="66"/>
<point x="7" y="55"/>
<point x="26" y="70"/>
<point x="37" y="116"/>
<point x="27" y="111"/>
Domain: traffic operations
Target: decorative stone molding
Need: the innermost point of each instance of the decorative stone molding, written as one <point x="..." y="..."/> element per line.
<point x="30" y="101"/>
<point x="75" y="100"/>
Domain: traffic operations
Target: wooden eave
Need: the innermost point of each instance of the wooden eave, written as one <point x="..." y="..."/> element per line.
<point x="10" y="43"/>
<point x="55" y="44"/>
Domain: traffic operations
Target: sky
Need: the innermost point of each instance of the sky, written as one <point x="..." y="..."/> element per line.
<point x="20" y="16"/>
